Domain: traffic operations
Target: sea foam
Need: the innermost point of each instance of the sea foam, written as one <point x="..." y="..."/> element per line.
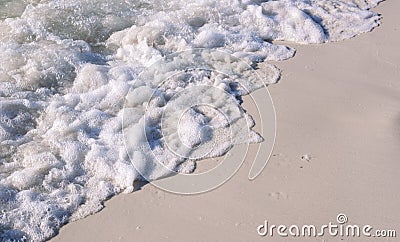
<point x="67" y="68"/>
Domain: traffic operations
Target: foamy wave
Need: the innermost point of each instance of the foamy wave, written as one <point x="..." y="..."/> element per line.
<point x="67" y="66"/>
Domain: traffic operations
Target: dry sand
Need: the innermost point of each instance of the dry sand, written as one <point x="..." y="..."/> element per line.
<point x="340" y="104"/>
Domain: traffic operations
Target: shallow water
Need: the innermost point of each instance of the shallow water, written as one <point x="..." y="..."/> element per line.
<point x="66" y="68"/>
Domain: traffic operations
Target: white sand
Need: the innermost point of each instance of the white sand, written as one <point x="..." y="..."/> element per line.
<point x="340" y="104"/>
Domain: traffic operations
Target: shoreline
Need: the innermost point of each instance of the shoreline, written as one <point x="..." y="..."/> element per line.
<point x="343" y="114"/>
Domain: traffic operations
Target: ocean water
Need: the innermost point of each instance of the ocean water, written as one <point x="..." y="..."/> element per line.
<point x="68" y="69"/>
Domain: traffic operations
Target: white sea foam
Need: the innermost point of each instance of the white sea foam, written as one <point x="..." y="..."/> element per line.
<point x="66" y="67"/>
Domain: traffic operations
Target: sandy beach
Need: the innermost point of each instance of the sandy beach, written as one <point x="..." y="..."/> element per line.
<point x="338" y="107"/>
